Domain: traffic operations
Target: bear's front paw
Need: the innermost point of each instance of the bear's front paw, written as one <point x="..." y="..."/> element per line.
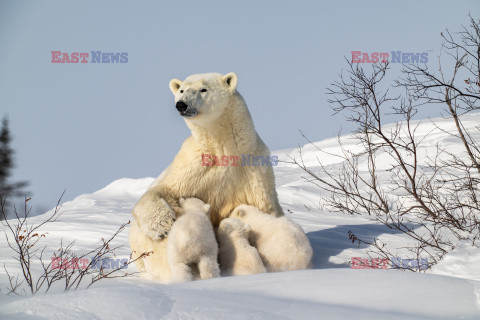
<point x="157" y="219"/>
<point x="158" y="233"/>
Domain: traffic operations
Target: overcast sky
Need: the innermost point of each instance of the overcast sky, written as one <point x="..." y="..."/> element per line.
<point x="80" y="126"/>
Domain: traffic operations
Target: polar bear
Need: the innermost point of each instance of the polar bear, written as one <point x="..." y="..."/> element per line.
<point x="237" y="257"/>
<point x="220" y="126"/>
<point x="282" y="244"/>
<point x="192" y="241"/>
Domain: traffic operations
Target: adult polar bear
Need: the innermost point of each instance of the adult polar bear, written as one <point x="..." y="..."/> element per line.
<point x="221" y="125"/>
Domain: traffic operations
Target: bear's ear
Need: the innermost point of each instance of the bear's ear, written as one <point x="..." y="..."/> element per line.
<point x="181" y="201"/>
<point x="231" y="81"/>
<point x="241" y="213"/>
<point x="175" y="85"/>
<point x="206" y="208"/>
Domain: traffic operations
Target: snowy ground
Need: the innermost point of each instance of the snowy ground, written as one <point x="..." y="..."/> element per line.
<point x="331" y="290"/>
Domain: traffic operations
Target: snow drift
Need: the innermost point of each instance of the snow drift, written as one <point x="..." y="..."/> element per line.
<point x="330" y="290"/>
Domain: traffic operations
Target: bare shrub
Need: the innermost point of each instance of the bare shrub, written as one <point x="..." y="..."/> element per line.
<point x="65" y="267"/>
<point x="432" y="198"/>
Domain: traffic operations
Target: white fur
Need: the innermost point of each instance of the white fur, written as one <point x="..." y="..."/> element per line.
<point x="237" y="257"/>
<point x="281" y="243"/>
<point x="192" y="241"/>
<point x="221" y="126"/>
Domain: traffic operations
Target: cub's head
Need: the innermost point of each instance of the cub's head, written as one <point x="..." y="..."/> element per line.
<point x="232" y="226"/>
<point x="202" y="98"/>
<point x="192" y="205"/>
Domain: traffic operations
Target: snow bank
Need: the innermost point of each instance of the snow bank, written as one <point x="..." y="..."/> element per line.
<point x="330" y="291"/>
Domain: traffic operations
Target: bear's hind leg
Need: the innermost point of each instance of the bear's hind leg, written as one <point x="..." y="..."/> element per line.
<point x="208" y="267"/>
<point x="181" y="272"/>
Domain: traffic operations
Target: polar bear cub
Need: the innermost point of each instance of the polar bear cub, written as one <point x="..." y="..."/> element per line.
<point x="282" y="244"/>
<point x="192" y="241"/>
<point x="237" y="257"/>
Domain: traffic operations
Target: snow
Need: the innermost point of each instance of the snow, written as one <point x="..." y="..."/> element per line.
<point x="311" y="294"/>
<point x="331" y="290"/>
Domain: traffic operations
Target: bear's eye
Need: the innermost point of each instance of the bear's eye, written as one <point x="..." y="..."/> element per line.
<point x="203" y="90"/>
<point x="181" y="91"/>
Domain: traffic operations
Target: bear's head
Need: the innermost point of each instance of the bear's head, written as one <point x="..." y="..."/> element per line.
<point x="232" y="226"/>
<point x="202" y="98"/>
<point x="194" y="205"/>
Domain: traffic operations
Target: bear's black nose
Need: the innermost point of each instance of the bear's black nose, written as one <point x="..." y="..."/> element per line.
<point x="181" y="106"/>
